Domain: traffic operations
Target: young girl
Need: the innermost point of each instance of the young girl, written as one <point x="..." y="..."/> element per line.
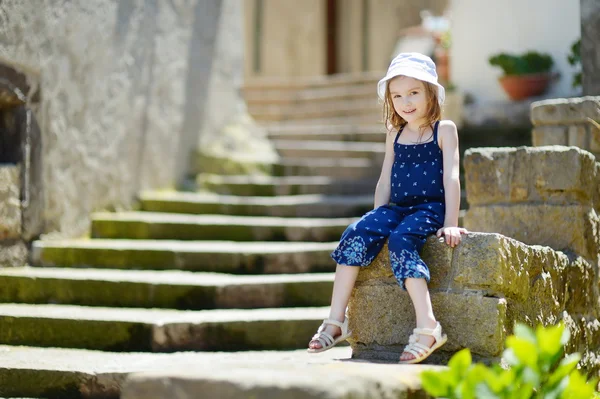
<point x="418" y="194"/>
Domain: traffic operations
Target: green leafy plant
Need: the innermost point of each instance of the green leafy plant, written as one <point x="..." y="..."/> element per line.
<point x="574" y="59"/>
<point x="537" y="370"/>
<point x="528" y="63"/>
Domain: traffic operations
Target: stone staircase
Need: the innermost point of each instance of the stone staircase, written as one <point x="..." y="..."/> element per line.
<point x="241" y="264"/>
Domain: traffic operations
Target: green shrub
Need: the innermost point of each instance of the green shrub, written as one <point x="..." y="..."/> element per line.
<point x="537" y="370"/>
<point x="530" y="62"/>
<point x="574" y="59"/>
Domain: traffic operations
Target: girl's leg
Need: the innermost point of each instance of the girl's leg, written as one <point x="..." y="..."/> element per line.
<point x="345" y="277"/>
<point x="419" y="294"/>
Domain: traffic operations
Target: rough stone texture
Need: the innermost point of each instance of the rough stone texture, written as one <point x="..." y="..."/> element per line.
<point x="10" y="202"/>
<point x="542" y="224"/>
<point x="549" y="135"/>
<point x="488" y="281"/>
<point x="13" y="253"/>
<point x="531" y="194"/>
<point x="551" y="174"/>
<point x="590" y="49"/>
<point x="565" y="111"/>
<point x="126" y="85"/>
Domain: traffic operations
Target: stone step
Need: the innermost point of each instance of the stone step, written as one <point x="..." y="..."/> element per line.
<point x="282" y="380"/>
<point x="352" y="120"/>
<point x="329" y="149"/>
<point x="56" y="373"/>
<point x="246" y="185"/>
<point x="158" y="330"/>
<point x="162" y="289"/>
<point x="311" y="95"/>
<point x="261" y="84"/>
<point x="343" y="132"/>
<point x="209" y="256"/>
<point x="292" y="112"/>
<point x="332" y="167"/>
<point x="175" y="226"/>
<point x="312" y="205"/>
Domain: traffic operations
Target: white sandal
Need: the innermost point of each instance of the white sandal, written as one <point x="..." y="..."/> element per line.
<point x="326" y="340"/>
<point x="420" y="351"/>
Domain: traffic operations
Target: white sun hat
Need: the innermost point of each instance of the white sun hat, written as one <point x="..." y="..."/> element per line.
<point x="414" y="65"/>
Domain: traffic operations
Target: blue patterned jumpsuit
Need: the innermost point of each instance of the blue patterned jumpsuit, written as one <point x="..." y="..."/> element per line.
<point x="416" y="210"/>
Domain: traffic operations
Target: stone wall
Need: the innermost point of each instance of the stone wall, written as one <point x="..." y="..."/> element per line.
<point x="531" y="256"/>
<point x="567" y="121"/>
<point x="124" y="87"/>
<point x="537" y="195"/>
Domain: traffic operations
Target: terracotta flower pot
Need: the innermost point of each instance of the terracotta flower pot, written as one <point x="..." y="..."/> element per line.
<point x="519" y="87"/>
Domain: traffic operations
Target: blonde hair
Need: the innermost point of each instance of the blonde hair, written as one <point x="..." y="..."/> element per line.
<point x="394" y="121"/>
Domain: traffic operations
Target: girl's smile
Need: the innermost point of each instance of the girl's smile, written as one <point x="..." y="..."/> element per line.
<point x="409" y="99"/>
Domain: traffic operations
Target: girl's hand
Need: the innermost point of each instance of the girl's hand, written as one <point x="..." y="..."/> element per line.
<point x="453" y="235"/>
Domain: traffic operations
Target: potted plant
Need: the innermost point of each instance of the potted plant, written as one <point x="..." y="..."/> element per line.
<point x="525" y="75"/>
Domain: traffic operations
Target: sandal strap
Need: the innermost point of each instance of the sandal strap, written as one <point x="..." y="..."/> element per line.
<point x="335" y="322"/>
<point x="434" y="332"/>
<point x="324" y="339"/>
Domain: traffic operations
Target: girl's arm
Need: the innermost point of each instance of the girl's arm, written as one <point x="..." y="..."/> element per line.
<point x="383" y="189"/>
<point x="448" y="137"/>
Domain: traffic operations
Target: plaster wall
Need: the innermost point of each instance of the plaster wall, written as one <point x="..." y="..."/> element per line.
<point x="116" y="89"/>
<point x="481" y="28"/>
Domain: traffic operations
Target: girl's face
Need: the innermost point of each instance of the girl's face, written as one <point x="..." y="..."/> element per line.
<point x="409" y="98"/>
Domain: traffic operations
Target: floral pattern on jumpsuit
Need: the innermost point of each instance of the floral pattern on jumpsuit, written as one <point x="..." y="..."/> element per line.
<point x="416" y="210"/>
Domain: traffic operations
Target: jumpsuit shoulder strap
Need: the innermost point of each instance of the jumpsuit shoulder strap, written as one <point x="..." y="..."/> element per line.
<point x="435" y="132"/>
<point x="398" y="134"/>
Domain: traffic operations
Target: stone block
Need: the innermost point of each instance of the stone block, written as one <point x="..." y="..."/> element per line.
<point x="579" y="137"/>
<point x="490" y="279"/>
<point x="565" y="111"/>
<point x="594" y="139"/>
<point x="382" y="318"/>
<point x="549" y="135"/>
<point x="552" y="174"/>
<point x="10" y="202"/>
<point x="541" y="224"/>
<point x="13" y="253"/>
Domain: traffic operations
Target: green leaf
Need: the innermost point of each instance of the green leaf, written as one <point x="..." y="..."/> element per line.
<point x="524" y="350"/>
<point x="510" y="357"/>
<point x="460" y="363"/>
<point x="482" y="391"/>
<point x="566" y="366"/>
<point x="436" y="383"/>
<point x="531" y="376"/>
<point x="551" y="340"/>
<point x="577" y="387"/>
<point x="525" y="332"/>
